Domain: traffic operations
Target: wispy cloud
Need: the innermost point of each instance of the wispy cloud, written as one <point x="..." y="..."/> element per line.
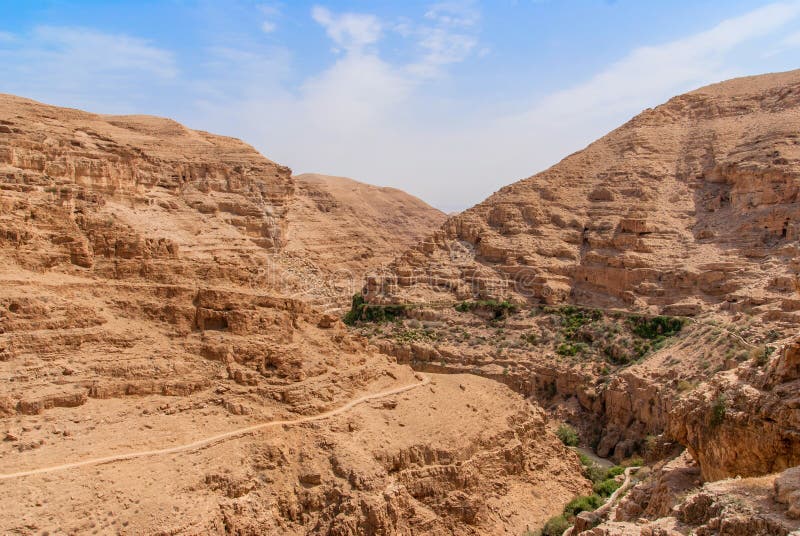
<point x="80" y="61"/>
<point x="449" y="37"/>
<point x="369" y="118"/>
<point x="269" y="13"/>
<point x="349" y="31"/>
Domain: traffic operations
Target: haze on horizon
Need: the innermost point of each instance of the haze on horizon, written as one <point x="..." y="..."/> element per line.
<point x="448" y="100"/>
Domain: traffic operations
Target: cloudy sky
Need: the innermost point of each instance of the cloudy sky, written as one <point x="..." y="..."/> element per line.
<point x="449" y="100"/>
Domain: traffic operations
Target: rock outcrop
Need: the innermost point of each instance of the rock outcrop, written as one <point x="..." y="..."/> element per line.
<point x="688" y="210"/>
<point x="339" y="229"/>
<point x="148" y="300"/>
<point x="689" y="206"/>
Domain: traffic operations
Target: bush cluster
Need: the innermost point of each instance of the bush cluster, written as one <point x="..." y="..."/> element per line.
<point x="567" y="435"/>
<point x="361" y="311"/>
<point x="499" y="309"/>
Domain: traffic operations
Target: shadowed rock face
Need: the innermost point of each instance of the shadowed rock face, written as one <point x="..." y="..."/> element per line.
<point x="151" y="297"/>
<point x="341" y="229"/>
<point x="689" y="209"/>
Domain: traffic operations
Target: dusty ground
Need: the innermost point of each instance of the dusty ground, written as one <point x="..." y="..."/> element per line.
<point x="430" y="446"/>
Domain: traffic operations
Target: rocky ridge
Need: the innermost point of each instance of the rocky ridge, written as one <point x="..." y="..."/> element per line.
<point x="148" y="300"/>
<point x="340" y="229"/>
<point x="689" y="213"/>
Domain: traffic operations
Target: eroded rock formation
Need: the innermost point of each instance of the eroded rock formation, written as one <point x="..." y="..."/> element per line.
<point x="688" y="210"/>
<point x="149" y="299"/>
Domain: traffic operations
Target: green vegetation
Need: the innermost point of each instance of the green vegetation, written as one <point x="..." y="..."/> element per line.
<point x="603" y="480"/>
<point x="584" y="503"/>
<point x="618" y="337"/>
<point x="604" y="485"/>
<point x="409" y="336"/>
<point x="555" y="526"/>
<point x="573" y="318"/>
<point x="655" y="327"/>
<point x="570" y="349"/>
<point x="499" y="309"/>
<point x="718" y="409"/>
<point x="361" y="311"/>
<point x="761" y="355"/>
<point x="567" y="435"/>
<point x="531" y="338"/>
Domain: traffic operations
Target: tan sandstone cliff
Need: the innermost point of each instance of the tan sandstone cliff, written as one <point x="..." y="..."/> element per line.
<point x="340" y="229"/>
<point x="690" y="210"/>
<point x="150" y="315"/>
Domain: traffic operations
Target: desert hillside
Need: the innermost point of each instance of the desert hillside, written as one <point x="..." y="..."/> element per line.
<point x="162" y="370"/>
<point x="644" y="290"/>
<point x="342" y="228"/>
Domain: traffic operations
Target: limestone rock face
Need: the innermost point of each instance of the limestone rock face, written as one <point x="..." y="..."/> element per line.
<point x="689" y="209"/>
<point x="150" y="299"/>
<point x="787" y="491"/>
<point x="694" y="201"/>
<point x="739" y="506"/>
<point x="339" y="229"/>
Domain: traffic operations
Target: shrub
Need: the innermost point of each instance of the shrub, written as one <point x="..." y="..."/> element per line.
<point x="499" y="309"/>
<point x="569" y="349"/>
<point x="615" y="471"/>
<point x="574" y="318"/>
<point x="718" y="410"/>
<point x="606" y="487"/>
<point x="555" y="526"/>
<point x="415" y="335"/>
<point x="594" y="472"/>
<point x="761" y="357"/>
<point x="567" y="435"/>
<point x="655" y="327"/>
<point x="361" y="311"/>
<point x="586" y="503"/>
<point x="530" y="338"/>
<point x="354" y="314"/>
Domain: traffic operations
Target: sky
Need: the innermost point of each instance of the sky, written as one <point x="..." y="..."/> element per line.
<point x="448" y="100"/>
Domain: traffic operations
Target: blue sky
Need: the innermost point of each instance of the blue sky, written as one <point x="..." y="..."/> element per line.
<point x="449" y="100"/>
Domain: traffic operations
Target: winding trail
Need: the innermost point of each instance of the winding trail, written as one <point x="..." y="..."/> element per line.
<point x="208" y="441"/>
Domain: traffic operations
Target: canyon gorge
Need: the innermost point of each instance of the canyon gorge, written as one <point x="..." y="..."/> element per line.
<point x="195" y="341"/>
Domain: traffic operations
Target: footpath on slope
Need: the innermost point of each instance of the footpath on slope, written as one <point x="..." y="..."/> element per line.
<point x="208" y="441"/>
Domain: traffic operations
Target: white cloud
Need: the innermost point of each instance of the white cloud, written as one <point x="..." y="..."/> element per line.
<point x="350" y="31"/>
<point x="84" y="67"/>
<point x="97" y="52"/>
<point x="370" y="119"/>
<point x="7" y="37"/>
<point x="270" y="13"/>
<point x="463" y="14"/>
<point x="450" y="37"/>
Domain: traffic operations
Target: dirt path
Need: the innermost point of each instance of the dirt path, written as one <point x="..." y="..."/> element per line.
<point x="201" y="443"/>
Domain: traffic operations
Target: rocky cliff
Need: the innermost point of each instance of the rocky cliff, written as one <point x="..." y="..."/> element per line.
<point x="689" y="206"/>
<point x="644" y="289"/>
<point x="162" y="371"/>
<point x="339" y="229"/>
